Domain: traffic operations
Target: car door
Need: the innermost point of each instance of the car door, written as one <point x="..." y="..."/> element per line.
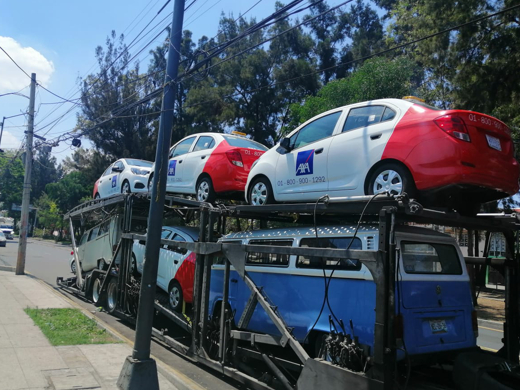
<point x="358" y="146"/>
<point x="115" y="182"/>
<point x="105" y="185"/>
<point x="164" y="260"/>
<point x="195" y="161"/>
<point x="302" y="172"/>
<point x="175" y="165"/>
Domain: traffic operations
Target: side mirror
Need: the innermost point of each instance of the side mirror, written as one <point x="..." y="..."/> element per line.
<point x="286" y="143"/>
<point x="116" y="169"/>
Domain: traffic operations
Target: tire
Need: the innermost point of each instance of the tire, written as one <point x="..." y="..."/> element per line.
<point x="112" y="295"/>
<point x="204" y="190"/>
<point x="73" y="267"/>
<point x="175" y="297"/>
<point x="150" y="182"/>
<point x="133" y="267"/>
<point x="96" y="290"/>
<point x="125" y="187"/>
<point x="392" y="178"/>
<point x="97" y="196"/>
<point x="260" y="192"/>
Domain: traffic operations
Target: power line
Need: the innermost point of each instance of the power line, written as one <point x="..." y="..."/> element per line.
<point x="11" y="58"/>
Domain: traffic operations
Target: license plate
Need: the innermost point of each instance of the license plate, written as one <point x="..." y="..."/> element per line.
<point x="493" y="142"/>
<point x="438" y="326"/>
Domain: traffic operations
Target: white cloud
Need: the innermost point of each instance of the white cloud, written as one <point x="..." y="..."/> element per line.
<point x="13" y="79"/>
<point x="9" y="141"/>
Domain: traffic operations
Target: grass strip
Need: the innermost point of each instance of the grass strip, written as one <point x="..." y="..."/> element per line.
<point x="69" y="327"/>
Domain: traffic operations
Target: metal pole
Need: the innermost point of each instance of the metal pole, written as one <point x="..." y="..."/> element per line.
<point x="2" y="130"/>
<point x="22" y="245"/>
<point x="139" y="371"/>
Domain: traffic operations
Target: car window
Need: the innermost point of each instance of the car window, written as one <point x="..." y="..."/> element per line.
<point x="329" y="263"/>
<point x="203" y="143"/>
<point x="93" y="233"/>
<point x="108" y="171"/>
<point x="366" y="116"/>
<point x="241" y="142"/>
<point x="182" y="147"/>
<point x="314" y="131"/>
<point x="178" y="238"/>
<point x="165" y="234"/>
<point x="120" y="165"/>
<point x="84" y="239"/>
<point x="430" y="258"/>
<point x="268" y="258"/>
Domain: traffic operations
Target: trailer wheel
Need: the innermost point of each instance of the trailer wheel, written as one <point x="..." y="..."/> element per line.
<point x="96" y="290"/>
<point x="175" y="297"/>
<point x="112" y="295"/>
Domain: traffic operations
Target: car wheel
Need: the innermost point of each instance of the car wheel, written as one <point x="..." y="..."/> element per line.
<point x="133" y="267"/>
<point x="261" y="192"/>
<point x="125" y="188"/>
<point x="205" y="192"/>
<point x="150" y="183"/>
<point x="73" y="267"/>
<point x="97" y="196"/>
<point x="391" y="178"/>
<point x="96" y="290"/>
<point x="112" y="295"/>
<point x="175" y="297"/>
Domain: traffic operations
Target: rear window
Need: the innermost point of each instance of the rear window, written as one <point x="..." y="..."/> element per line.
<point x="430" y="258"/>
<point x="329" y="263"/>
<point x="240" y="142"/>
<point x="273" y="259"/>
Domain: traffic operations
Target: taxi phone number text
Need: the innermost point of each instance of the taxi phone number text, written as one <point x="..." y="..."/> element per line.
<point x="301" y="180"/>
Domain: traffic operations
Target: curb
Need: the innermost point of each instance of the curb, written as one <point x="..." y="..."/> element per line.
<point x="177" y="378"/>
<point x="7" y="268"/>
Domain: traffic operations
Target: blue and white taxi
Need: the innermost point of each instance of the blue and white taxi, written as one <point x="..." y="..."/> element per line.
<point x="124" y="176"/>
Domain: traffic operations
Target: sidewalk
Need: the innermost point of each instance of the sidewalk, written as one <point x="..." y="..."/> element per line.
<point x="27" y="359"/>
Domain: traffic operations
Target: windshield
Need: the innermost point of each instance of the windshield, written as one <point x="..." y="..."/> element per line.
<point x="244" y="143"/>
<point x="139" y="163"/>
<point x="430" y="258"/>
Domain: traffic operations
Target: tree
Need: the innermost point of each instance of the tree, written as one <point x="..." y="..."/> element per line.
<point x="69" y="191"/>
<point x="90" y="162"/>
<point x="11" y="181"/>
<point x="112" y="115"/>
<point x="44" y="171"/>
<point x="49" y="215"/>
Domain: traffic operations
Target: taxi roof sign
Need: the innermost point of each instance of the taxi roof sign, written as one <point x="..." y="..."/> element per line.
<point x="234" y="132"/>
<point x="413" y="98"/>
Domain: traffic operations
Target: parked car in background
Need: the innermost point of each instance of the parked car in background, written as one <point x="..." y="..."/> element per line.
<point x="123" y="176"/>
<point x="3" y="240"/>
<point x="176" y="265"/>
<point x="394" y="146"/>
<point x="208" y="165"/>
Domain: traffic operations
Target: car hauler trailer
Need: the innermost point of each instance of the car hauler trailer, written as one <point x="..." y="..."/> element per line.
<point x="215" y="337"/>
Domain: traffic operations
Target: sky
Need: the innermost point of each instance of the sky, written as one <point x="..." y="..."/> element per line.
<point x="57" y="41"/>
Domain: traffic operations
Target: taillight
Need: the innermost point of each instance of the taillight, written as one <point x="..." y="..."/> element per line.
<point x="474" y="322"/>
<point x="454" y="126"/>
<point x="235" y="158"/>
<point x="71" y="253"/>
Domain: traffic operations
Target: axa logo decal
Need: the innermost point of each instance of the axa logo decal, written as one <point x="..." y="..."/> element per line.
<point x="305" y="163"/>
<point x="114" y="181"/>
<point x="171" y="167"/>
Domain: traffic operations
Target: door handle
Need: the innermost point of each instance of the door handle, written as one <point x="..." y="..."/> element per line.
<point x="375" y="136"/>
<point x="180" y="161"/>
<point x="318" y="151"/>
<point x="234" y="281"/>
<point x="203" y="157"/>
<point x="175" y="261"/>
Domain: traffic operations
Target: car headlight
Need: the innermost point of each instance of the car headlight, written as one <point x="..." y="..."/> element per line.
<point x="142" y="172"/>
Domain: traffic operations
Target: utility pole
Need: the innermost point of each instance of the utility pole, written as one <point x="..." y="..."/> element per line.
<point x="139" y="370"/>
<point x="2" y="130"/>
<point x="24" y="224"/>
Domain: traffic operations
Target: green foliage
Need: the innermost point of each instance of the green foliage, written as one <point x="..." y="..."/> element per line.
<point x="377" y="79"/>
<point x="11" y="181"/>
<point x="68" y="192"/>
<point x="69" y="327"/>
<point x="44" y="171"/>
<point x="49" y="215"/>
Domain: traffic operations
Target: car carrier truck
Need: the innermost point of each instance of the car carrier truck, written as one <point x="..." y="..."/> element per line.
<point x="343" y="293"/>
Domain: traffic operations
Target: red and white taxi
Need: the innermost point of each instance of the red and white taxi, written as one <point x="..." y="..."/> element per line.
<point x="390" y="145"/>
<point x="210" y="164"/>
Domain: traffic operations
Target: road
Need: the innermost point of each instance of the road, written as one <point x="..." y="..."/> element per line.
<point x="47" y="260"/>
